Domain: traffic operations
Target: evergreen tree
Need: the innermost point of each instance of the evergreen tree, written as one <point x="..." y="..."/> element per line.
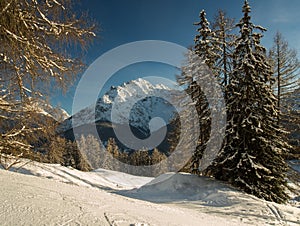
<point x="252" y="156"/>
<point x="157" y="156"/>
<point x="215" y="47"/>
<point x="75" y="158"/>
<point x="90" y="146"/>
<point x="56" y="150"/>
<point x="205" y="42"/>
<point x="193" y="70"/>
<point x="66" y="153"/>
<point x="80" y="159"/>
<point x="112" y="150"/>
<point x="156" y="159"/>
<point x="206" y="49"/>
<point x="141" y="158"/>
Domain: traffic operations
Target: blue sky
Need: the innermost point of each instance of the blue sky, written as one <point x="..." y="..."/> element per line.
<point x="172" y="20"/>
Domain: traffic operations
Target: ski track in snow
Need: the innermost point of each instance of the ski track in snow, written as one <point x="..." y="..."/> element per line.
<point x="105" y="197"/>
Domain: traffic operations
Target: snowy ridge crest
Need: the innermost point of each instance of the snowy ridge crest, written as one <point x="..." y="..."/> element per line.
<point x="42" y="107"/>
<point x="125" y="96"/>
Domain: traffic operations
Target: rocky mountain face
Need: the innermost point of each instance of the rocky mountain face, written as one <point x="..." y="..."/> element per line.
<point x="136" y="102"/>
<point x="45" y="109"/>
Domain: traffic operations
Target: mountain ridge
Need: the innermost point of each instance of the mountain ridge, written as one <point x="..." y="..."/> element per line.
<point x="145" y="98"/>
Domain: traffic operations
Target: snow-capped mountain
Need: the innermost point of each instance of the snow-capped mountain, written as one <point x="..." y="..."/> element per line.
<point x="138" y="98"/>
<point x="42" y="107"/>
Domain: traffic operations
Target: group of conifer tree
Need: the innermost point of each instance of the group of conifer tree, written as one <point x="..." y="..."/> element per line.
<point x="95" y="153"/>
<point x="257" y="88"/>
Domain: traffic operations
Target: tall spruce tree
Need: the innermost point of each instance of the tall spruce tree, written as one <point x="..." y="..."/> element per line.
<point x="191" y="72"/>
<point x="205" y="40"/>
<point x="252" y="156"/>
<point x="206" y="49"/>
<point x="214" y="47"/>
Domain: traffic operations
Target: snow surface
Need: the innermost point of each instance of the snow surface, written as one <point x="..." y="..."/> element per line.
<point x="50" y="194"/>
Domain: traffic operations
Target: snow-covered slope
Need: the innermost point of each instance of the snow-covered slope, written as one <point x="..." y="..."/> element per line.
<point x="212" y="196"/>
<point x="106" y="197"/>
<point x="29" y="200"/>
<point x="124" y="97"/>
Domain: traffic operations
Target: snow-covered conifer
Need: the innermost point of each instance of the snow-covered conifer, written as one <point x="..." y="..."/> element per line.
<point x="252" y="156"/>
<point x="205" y="42"/>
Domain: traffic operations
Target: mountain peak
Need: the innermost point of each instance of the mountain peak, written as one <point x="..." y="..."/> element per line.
<point x="149" y="105"/>
<point x="134" y="88"/>
<point x="44" y="108"/>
